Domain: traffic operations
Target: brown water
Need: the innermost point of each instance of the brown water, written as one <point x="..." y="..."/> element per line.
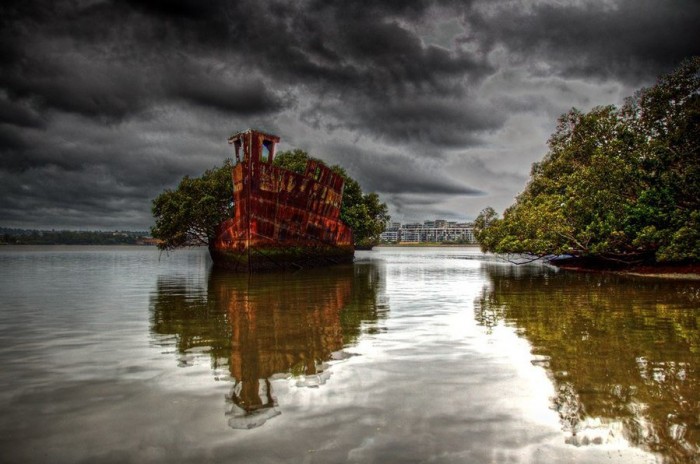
<point x="411" y="355"/>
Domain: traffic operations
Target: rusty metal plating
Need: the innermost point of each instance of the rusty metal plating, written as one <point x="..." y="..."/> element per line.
<point x="282" y="219"/>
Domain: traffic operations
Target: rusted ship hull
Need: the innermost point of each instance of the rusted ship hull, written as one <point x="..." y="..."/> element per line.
<point x="282" y="220"/>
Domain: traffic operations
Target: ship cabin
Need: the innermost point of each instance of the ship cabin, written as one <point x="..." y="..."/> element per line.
<point x="254" y="146"/>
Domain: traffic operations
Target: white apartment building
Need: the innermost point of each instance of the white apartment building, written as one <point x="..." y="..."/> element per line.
<point x="437" y="231"/>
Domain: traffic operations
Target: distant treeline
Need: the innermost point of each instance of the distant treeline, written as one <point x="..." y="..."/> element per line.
<point x="72" y="237"/>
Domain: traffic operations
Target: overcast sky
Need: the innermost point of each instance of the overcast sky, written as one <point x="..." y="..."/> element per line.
<point x="439" y="106"/>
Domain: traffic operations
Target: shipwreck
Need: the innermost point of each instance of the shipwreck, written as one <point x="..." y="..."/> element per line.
<point x="282" y="219"/>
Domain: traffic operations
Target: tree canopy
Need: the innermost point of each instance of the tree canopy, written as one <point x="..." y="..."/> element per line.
<point x="619" y="184"/>
<point x="189" y="214"/>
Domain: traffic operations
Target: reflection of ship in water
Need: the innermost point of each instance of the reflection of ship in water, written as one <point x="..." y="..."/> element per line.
<point x="622" y="353"/>
<point x="265" y="325"/>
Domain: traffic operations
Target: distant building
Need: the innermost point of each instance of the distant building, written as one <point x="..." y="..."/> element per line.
<point x="409" y="236"/>
<point x="390" y="236"/>
<point x="436" y="231"/>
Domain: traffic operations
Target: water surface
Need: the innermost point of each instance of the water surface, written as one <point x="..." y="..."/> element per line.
<point x="116" y="354"/>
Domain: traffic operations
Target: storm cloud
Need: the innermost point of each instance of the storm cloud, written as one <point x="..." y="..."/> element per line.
<point x="439" y="106"/>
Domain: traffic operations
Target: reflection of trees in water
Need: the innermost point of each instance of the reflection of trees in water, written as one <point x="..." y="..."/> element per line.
<point x="624" y="353"/>
<point x="260" y="325"/>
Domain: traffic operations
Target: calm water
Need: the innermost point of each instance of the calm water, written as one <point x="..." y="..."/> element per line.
<point x="411" y="355"/>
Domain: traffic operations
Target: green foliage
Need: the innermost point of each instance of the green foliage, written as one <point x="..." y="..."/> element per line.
<point x="190" y="214"/>
<point x="365" y="214"/>
<point x="293" y="160"/>
<point x="617" y="183"/>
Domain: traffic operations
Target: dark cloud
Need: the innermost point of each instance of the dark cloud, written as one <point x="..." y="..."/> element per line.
<point x="394" y="61"/>
<point x="188" y="10"/>
<point x="631" y="39"/>
<point x="88" y="197"/>
<point x="11" y="144"/>
<point x="395" y="173"/>
<point x="46" y="66"/>
<point x="224" y="91"/>
<point x="20" y="114"/>
<point x="79" y="84"/>
<point x="414" y="206"/>
<point x="429" y="121"/>
<point x="105" y="103"/>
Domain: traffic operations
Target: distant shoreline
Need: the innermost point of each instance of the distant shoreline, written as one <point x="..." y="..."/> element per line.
<point x="10" y="236"/>
<point x="427" y="244"/>
<point x="135" y="245"/>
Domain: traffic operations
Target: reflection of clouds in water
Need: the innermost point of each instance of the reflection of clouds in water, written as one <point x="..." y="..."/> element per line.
<point x="266" y="407"/>
<point x="598" y="431"/>
<point x="242" y="416"/>
<point x="582" y="430"/>
<point x="315" y="380"/>
<point x="240" y="419"/>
